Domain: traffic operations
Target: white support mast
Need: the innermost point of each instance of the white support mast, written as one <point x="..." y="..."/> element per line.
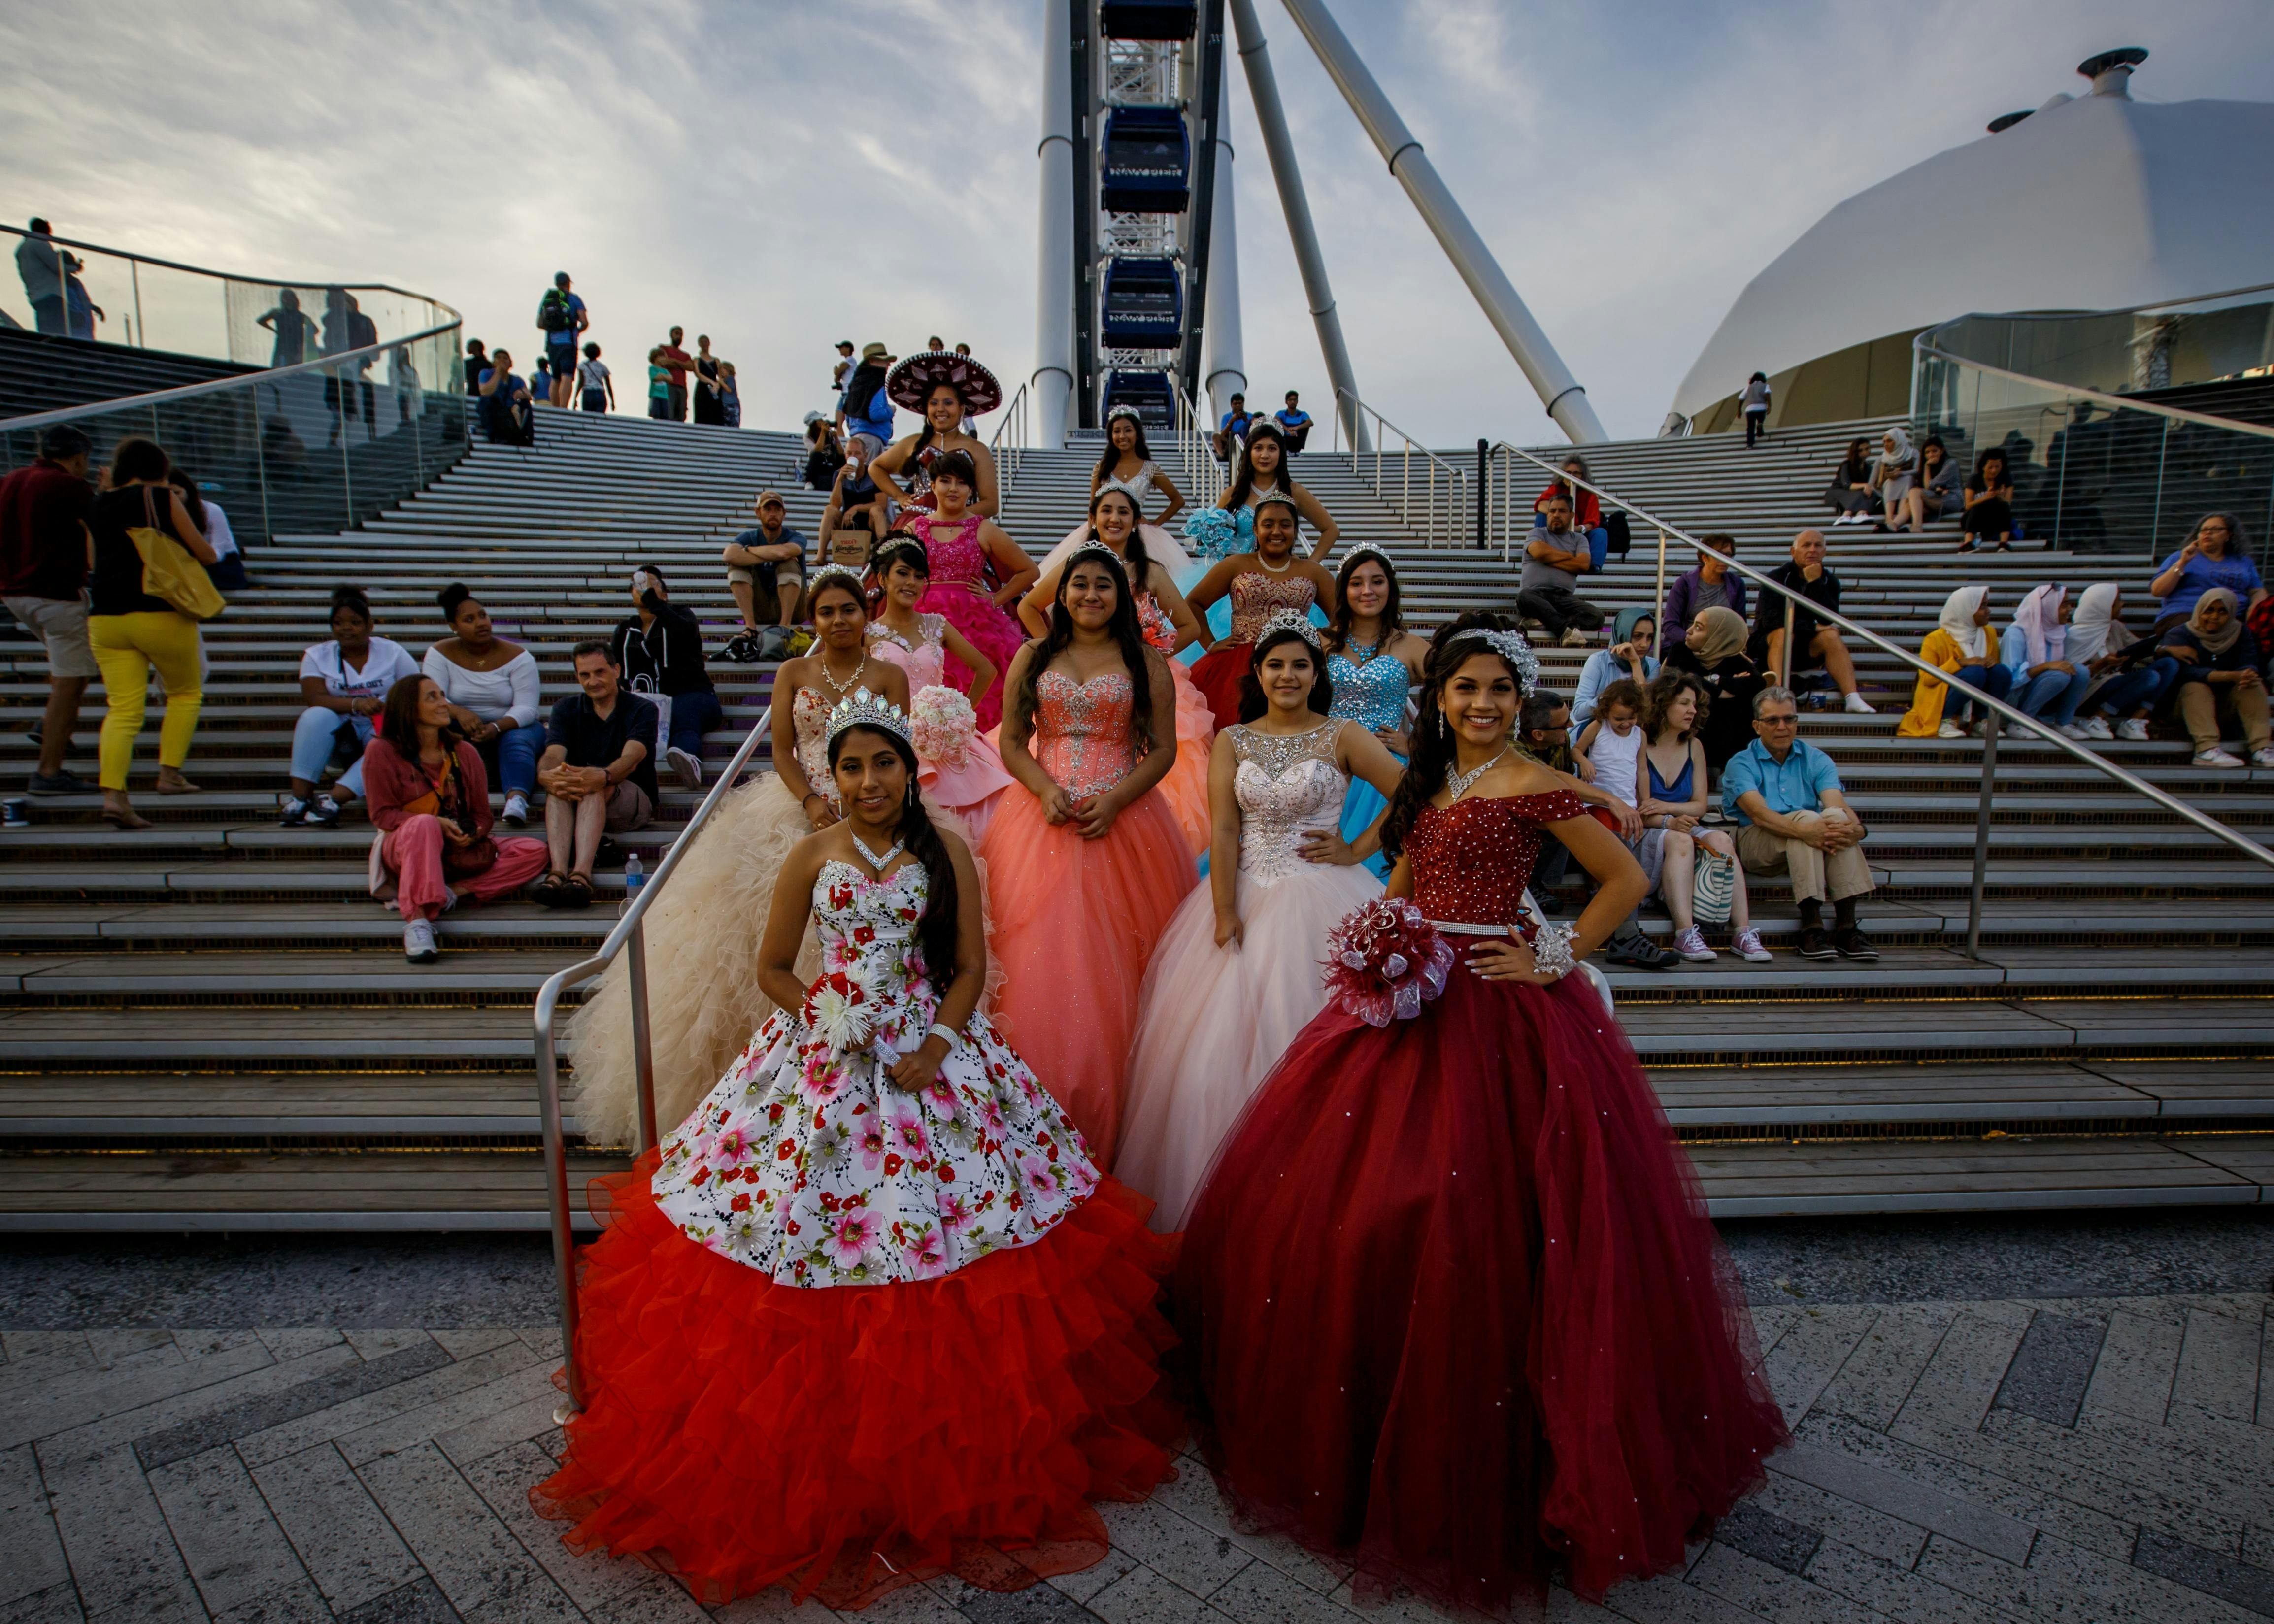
<point x="1565" y="399"/>
<point x="1227" y="365"/>
<point x="1263" y="90"/>
<point x="1052" y="383"/>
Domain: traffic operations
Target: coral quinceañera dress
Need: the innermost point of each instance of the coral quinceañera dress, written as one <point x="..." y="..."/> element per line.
<point x="1256" y="595"/>
<point x="1186" y="787"/>
<point x="1458" y="1315"/>
<point x="1213" y="1019"/>
<point x="959" y="590"/>
<point x="847" y="1337"/>
<point x="1076" y="920"/>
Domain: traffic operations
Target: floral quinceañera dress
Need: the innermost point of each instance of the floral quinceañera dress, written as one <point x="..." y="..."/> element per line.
<point x="844" y="1336"/>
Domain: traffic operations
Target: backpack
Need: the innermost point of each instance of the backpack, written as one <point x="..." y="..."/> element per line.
<point x="552" y="312"/>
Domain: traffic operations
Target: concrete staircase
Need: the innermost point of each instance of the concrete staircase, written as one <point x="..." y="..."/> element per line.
<point x="210" y="1026"/>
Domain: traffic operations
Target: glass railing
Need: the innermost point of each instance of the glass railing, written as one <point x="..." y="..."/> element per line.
<point x="2102" y="415"/>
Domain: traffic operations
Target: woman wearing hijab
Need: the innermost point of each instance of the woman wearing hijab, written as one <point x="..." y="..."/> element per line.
<point x="2047" y="683"/>
<point x="1963" y="645"/>
<point x="2218" y="677"/>
<point x="2127" y="690"/>
<point x="1632" y="633"/>
<point x="1714" y="651"/>
<point x="1895" y="472"/>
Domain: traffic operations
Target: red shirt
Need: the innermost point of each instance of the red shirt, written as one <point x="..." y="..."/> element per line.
<point x="1586" y="511"/>
<point x="42" y="536"/>
<point x="678" y="360"/>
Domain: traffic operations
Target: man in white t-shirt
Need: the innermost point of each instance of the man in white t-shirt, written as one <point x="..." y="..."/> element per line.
<point x="596" y="391"/>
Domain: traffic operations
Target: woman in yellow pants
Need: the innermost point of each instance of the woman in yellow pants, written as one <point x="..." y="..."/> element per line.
<point x="131" y="631"/>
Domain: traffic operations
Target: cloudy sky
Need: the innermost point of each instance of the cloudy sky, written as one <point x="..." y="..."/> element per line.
<point x="782" y="174"/>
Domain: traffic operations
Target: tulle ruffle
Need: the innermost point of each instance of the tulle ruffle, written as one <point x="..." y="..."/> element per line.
<point x="1458" y="1316"/>
<point x="1160" y="548"/>
<point x="850" y="1440"/>
<point x="1186" y="785"/>
<point x="988" y="629"/>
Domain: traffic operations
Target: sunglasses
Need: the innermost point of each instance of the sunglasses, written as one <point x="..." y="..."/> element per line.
<point x="1786" y="720"/>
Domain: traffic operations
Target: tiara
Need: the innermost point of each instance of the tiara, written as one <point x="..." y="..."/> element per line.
<point x="1089" y="547"/>
<point x="1290" y="620"/>
<point x="829" y="572"/>
<point x="897" y="544"/>
<point x="1513" y="647"/>
<point x="1280" y="497"/>
<point x="1366" y="549"/>
<point x="862" y="709"/>
<point x="1130" y="412"/>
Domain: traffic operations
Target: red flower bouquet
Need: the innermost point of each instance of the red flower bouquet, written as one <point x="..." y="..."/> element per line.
<point x="1384" y="961"/>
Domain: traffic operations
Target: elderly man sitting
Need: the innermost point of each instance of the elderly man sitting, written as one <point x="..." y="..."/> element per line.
<point x="1784" y="794"/>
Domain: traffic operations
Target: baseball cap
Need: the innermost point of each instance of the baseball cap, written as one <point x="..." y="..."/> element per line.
<point x="769" y="496"/>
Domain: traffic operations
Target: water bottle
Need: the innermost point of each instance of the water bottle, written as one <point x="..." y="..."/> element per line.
<point x="635" y="876"/>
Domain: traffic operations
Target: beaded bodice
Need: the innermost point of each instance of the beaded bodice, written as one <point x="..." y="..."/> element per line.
<point x="809" y="715"/>
<point x="953" y="551"/>
<point x="1369" y="691"/>
<point x="1472" y="859"/>
<point x="1256" y="597"/>
<point x="1136" y="487"/>
<point x="925" y="659"/>
<point x="1081" y="730"/>
<point x="1287" y="787"/>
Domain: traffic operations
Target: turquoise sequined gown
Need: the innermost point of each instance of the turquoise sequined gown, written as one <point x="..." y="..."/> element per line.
<point x="1369" y="690"/>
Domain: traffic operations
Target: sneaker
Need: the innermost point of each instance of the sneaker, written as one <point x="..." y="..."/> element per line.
<point x="2097" y="727"/>
<point x="1691" y="945"/>
<point x="1574" y="639"/>
<point x="449" y="899"/>
<point x="1815" y="944"/>
<point x="1857" y="706"/>
<point x="2217" y="757"/>
<point x="295" y="812"/>
<point x="2132" y="727"/>
<point x="418" y="941"/>
<point x="516" y="809"/>
<point x="2076" y="731"/>
<point x="2262" y="759"/>
<point x="1638" y="952"/>
<point x="59" y="784"/>
<point x="741" y="649"/>
<point x="1852" y="943"/>
<point x="1950" y="729"/>
<point x="685" y="767"/>
<point x="1748" y="947"/>
<point x="323" y="811"/>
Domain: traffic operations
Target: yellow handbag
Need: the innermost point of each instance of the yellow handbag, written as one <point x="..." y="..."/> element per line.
<point x="170" y="571"/>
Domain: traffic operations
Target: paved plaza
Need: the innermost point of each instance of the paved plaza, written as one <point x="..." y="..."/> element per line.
<point x="2081" y="1459"/>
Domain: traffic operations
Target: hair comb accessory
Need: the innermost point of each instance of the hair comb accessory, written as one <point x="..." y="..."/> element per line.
<point x="862" y="709"/>
<point x="1288" y="620"/>
<point x="1513" y="647"/>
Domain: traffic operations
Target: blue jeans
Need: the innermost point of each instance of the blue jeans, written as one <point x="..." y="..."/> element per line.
<point x="2135" y="690"/>
<point x="511" y="758"/>
<point x="693" y="715"/>
<point x="2053" y="696"/>
<point x="1995" y="680"/>
<point x="316" y="736"/>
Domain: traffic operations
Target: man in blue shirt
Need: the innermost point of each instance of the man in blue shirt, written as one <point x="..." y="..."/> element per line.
<point x="1793" y="819"/>
<point x="1296" y="421"/>
<point x="505" y="402"/>
<point x="561" y="314"/>
<point x="1233" y="429"/>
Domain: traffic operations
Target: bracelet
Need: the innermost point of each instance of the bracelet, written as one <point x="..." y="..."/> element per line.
<point x="1551" y="947"/>
<point x="945" y="1035"/>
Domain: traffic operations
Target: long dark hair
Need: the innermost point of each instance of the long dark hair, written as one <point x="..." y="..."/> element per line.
<point x="1126" y="632"/>
<point x="1132" y="552"/>
<point x="1252" y="701"/>
<point x="2238" y="542"/>
<point x="1981" y="466"/>
<point x="398" y="718"/>
<point x="186" y="488"/>
<point x="1105" y="464"/>
<point x="935" y="933"/>
<point x="1432" y="736"/>
<point x="1855" y="464"/>
<point x="1338" y="628"/>
<point x="924" y="436"/>
<point x="1243" y="481"/>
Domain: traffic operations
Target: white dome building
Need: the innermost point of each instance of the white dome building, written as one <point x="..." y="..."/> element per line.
<point x="2092" y="202"/>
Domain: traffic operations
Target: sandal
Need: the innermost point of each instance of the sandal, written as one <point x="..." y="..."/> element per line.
<point x="552" y="891"/>
<point x="177" y="787"/>
<point x="578" y="891"/>
<point x="126" y="817"/>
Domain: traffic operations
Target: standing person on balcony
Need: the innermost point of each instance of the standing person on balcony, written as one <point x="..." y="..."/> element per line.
<point x="1811" y="585"/>
<point x="707" y="407"/>
<point x="1793" y="818"/>
<point x="2219" y="676"/>
<point x="598" y="773"/>
<point x="2047" y="684"/>
<point x="595" y="390"/>
<point x="1713" y="650"/>
<point x="42" y="265"/>
<point x="1710" y="585"/>
<point x="659" y="653"/>
<point x="770" y="555"/>
<point x="865" y="408"/>
<point x="44" y="511"/>
<point x="345" y="683"/>
<point x="1586" y="509"/>
<point x="293" y="327"/>
<point x="1850" y="494"/>
<point x="2216" y="553"/>
<point x="130" y="631"/>
<point x="1294" y="422"/>
<point x="1964" y="644"/>
<point x="675" y="361"/>
<point x="492" y="685"/>
<point x="562" y="318"/>
<point x="1753" y="401"/>
<point x="1547" y="591"/>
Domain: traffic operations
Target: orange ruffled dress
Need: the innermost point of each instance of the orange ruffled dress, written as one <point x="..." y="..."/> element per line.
<point x="1076" y="920"/>
<point x="844" y="1337"/>
<point x="1186" y="788"/>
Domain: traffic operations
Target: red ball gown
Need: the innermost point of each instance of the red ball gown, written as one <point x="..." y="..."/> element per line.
<point x="1458" y="1317"/>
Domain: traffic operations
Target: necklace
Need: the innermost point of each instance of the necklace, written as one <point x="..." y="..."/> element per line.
<point x="1275" y="569"/>
<point x="875" y="861"/>
<point x="838" y="689"/>
<point x="1365" y="651"/>
<point x="1459" y="782"/>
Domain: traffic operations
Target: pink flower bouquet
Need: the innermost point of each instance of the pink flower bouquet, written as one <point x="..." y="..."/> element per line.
<point x="943" y="725"/>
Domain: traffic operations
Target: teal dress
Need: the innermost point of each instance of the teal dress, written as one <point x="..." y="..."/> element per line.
<point x="1370" y="691"/>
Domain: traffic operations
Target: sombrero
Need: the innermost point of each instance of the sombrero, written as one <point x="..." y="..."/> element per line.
<point x="911" y="383"/>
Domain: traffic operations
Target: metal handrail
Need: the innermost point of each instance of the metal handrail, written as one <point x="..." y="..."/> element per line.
<point x="2118" y="402"/>
<point x="1447" y="516"/>
<point x="1009" y="442"/>
<point x="257" y="281"/>
<point x="627" y="934"/>
<point x="1996" y="707"/>
<point x="1205" y="478"/>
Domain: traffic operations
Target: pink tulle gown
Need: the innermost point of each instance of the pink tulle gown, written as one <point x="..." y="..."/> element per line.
<point x="1457" y="1315"/>
<point x="968" y="787"/>
<point x="959" y="591"/>
<point x="1076" y="920"/>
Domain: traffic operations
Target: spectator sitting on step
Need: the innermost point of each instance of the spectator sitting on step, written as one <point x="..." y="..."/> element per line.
<point x="345" y="683"/>
<point x="598" y="773"/>
<point x="1231" y="428"/>
<point x="1586" y="508"/>
<point x="1816" y="645"/>
<point x="1711" y="585"/>
<point x="1674" y="798"/>
<point x="1294" y="424"/>
<point x="1793" y="818"/>
<point x="2128" y="681"/>
<point x="228" y="573"/>
<point x="506" y="412"/>
<point x="596" y="388"/>
<point x="659" y="655"/>
<point x="1713" y="649"/>
<point x="1989" y="493"/>
<point x="43" y="559"/>
<point x="1554" y="559"/>
<point x="1633" y="631"/>
<point x="1610" y="755"/>
<point x="492" y="685"/>
<point x="855" y="502"/>
<point x="825" y="452"/>
<point x="1938" y="493"/>
<point x="1963" y="645"/>
<point x="1895" y="473"/>
<point x="768" y="560"/>
<point x="1850" y="492"/>
<point x="430" y="802"/>
<point x="1547" y="739"/>
<point x="2216" y="553"/>
<point x="2219" y="677"/>
<point x="2046" y="684"/>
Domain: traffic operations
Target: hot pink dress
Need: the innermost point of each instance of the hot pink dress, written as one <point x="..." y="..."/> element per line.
<point x="1076" y="920"/>
<point x="968" y="787"/>
<point x="959" y="590"/>
<point x="1256" y="595"/>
